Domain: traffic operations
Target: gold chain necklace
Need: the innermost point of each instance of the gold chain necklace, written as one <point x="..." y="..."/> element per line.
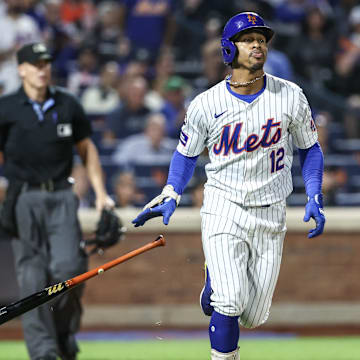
<point x="244" y="84"/>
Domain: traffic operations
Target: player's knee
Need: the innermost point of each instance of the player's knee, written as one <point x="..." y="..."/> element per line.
<point x="250" y="324"/>
<point x="252" y="321"/>
<point x="233" y="307"/>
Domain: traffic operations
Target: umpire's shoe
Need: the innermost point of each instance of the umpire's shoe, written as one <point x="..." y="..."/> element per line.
<point x="205" y="295"/>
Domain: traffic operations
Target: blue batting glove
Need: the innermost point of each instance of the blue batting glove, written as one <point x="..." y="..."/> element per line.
<point x="165" y="209"/>
<point x="314" y="209"/>
<point x="162" y="205"/>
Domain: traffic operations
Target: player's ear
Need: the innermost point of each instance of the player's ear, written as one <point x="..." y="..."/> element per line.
<point x="22" y="70"/>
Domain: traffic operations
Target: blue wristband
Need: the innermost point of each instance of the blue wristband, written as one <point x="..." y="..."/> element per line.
<point x="181" y="170"/>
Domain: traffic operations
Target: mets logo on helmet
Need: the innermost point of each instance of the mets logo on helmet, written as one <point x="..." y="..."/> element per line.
<point x="252" y="19"/>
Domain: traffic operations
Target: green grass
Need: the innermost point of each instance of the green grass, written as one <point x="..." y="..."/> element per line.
<point x="306" y="348"/>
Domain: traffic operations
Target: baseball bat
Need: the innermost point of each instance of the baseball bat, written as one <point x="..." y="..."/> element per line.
<point x="30" y="302"/>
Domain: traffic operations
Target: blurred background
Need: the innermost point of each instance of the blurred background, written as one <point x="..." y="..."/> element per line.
<point x="135" y="65"/>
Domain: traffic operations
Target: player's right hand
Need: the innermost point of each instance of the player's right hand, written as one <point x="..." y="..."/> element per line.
<point x="162" y="205"/>
<point x="314" y="209"/>
<point x="165" y="209"/>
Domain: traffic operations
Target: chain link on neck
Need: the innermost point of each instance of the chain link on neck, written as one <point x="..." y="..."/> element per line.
<point x="244" y="84"/>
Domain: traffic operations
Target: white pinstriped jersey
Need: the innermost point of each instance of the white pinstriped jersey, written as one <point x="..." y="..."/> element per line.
<point x="250" y="144"/>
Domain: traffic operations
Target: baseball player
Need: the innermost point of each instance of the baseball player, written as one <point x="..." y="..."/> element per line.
<point x="249" y="122"/>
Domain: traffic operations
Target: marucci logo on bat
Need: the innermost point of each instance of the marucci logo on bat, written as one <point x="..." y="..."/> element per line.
<point x="55" y="288"/>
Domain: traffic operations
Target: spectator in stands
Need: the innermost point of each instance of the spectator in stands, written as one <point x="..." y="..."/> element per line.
<point x="214" y="26"/>
<point x="287" y="18"/>
<point x="174" y="106"/>
<point x="278" y="62"/>
<point x="152" y="147"/>
<point x="312" y="51"/>
<point x="140" y="66"/>
<point x="123" y="51"/>
<point x="130" y="115"/>
<point x="102" y="98"/>
<point x="86" y="74"/>
<point x="352" y="117"/>
<point x="2" y="9"/>
<point x="140" y="18"/>
<point x="16" y="29"/>
<point x="347" y="67"/>
<point x="190" y="19"/>
<point x="125" y="191"/>
<point x="106" y="33"/>
<point x="264" y="7"/>
<point x="164" y="69"/>
<point x="148" y="155"/>
<point x="61" y="38"/>
<point x="335" y="179"/>
<point x="33" y="9"/>
<point x="328" y="131"/>
<point x="80" y="12"/>
<point x="214" y="69"/>
<point x="341" y="10"/>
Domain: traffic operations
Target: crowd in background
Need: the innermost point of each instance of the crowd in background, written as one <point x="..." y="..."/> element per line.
<point x="136" y="64"/>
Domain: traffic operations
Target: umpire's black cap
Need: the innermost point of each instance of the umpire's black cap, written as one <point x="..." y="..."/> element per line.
<point x="32" y="53"/>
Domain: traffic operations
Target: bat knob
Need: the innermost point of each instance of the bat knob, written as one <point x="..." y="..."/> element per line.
<point x="161" y="240"/>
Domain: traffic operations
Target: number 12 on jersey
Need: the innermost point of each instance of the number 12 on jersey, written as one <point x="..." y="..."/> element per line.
<point x="276" y="157"/>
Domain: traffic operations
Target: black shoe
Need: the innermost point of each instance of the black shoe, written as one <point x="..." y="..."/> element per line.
<point x="68" y="347"/>
<point x="68" y="356"/>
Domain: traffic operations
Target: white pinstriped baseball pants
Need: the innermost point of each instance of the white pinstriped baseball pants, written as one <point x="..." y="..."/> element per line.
<point x="243" y="249"/>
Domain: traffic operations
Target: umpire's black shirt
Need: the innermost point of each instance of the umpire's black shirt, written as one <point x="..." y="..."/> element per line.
<point x="38" y="139"/>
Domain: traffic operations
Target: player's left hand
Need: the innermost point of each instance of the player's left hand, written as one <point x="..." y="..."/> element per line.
<point x="314" y="209"/>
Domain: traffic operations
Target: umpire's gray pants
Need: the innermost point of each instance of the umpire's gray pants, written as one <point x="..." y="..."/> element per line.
<point x="48" y="252"/>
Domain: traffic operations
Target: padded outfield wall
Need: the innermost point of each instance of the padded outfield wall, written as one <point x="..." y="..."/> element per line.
<point x="319" y="283"/>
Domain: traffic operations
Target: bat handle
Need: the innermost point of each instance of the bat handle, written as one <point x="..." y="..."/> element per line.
<point x="159" y="241"/>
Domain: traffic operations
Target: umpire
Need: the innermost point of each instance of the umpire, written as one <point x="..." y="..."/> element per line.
<point x="39" y="126"/>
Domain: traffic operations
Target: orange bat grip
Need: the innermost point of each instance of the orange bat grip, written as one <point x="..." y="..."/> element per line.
<point x="159" y="241"/>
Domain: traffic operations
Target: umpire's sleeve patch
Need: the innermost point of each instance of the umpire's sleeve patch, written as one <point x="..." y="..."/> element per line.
<point x="183" y="138"/>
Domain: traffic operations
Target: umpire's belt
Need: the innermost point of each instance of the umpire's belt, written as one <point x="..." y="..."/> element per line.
<point x="49" y="185"/>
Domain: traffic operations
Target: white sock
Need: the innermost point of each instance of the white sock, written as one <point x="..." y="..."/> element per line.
<point x="234" y="355"/>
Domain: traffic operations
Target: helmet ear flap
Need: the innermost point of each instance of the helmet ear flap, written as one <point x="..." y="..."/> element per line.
<point x="228" y="49"/>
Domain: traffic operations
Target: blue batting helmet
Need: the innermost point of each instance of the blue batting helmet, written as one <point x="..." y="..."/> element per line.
<point x="239" y="23"/>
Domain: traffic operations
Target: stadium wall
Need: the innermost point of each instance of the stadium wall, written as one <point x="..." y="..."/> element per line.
<point x="318" y="285"/>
